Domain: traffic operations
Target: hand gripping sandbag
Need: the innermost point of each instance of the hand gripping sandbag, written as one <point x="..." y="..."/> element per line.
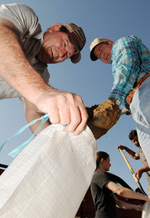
<point x="103" y="117"/>
<point x="50" y="176"/>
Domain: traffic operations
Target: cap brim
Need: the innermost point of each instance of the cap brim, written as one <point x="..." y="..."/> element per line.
<point x="96" y="42"/>
<point x="92" y="56"/>
<point x="76" y="58"/>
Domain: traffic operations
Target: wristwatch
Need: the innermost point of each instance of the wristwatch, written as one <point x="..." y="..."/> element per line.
<point x="116" y="101"/>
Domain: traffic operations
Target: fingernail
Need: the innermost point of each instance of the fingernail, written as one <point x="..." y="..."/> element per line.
<point x="76" y="133"/>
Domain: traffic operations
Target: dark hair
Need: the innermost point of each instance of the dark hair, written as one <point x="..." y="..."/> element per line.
<point x="99" y="156"/>
<point x="133" y="135"/>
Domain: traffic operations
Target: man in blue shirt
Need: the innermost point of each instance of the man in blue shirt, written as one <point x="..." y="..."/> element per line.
<point x="130" y="60"/>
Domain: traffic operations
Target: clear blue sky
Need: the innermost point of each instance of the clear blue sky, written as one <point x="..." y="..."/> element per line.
<point x="91" y="80"/>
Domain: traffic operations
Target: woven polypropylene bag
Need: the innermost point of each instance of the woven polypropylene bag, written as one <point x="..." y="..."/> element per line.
<point x="146" y="210"/>
<point x="50" y="177"/>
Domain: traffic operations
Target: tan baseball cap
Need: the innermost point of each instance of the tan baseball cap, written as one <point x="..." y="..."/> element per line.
<point x="77" y="37"/>
<point x="93" y="45"/>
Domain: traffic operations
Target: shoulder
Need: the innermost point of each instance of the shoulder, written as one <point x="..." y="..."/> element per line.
<point x="101" y="178"/>
<point x="21" y="16"/>
<point x="97" y="175"/>
<point x="127" y="40"/>
<point x="15" y="12"/>
<point x="15" y="7"/>
<point x="125" y="45"/>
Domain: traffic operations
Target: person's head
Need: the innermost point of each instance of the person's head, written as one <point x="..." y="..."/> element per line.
<point x="101" y="48"/>
<point x="61" y="42"/>
<point x="134" y="138"/>
<point x="102" y="161"/>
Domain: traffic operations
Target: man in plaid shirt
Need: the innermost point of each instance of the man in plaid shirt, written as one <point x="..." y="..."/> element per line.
<point x="130" y="60"/>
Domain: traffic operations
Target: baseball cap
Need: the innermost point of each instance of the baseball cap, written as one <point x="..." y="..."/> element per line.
<point x="96" y="42"/>
<point x="77" y="37"/>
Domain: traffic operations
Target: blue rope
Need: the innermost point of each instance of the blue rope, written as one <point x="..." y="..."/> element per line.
<point x="17" y="150"/>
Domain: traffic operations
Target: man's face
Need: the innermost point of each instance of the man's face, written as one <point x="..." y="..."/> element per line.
<point x="103" y="52"/>
<point x="135" y="142"/>
<point x="56" y="47"/>
<point x="107" y="164"/>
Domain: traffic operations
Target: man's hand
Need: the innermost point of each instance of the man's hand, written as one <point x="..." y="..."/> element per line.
<point x="125" y="111"/>
<point x="138" y="173"/>
<point x="138" y="207"/>
<point x="102" y="117"/>
<point x="122" y="147"/>
<point x="64" y="108"/>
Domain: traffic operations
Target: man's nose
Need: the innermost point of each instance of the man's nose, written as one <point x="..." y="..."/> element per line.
<point x="102" y="55"/>
<point x="64" y="52"/>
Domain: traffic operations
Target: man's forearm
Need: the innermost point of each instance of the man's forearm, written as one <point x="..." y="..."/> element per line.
<point x="37" y="124"/>
<point x="15" y="68"/>
<point x="32" y="113"/>
<point x="125" y="205"/>
<point x="145" y="169"/>
<point x="130" y="152"/>
<point x="125" y="192"/>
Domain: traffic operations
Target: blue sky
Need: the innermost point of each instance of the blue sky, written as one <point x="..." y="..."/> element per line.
<point x="91" y="80"/>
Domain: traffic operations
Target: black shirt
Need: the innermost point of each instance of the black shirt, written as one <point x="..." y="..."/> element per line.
<point x="103" y="198"/>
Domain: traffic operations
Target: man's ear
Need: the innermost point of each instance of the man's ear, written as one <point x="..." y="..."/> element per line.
<point x="102" y="160"/>
<point x="55" y="27"/>
<point x="110" y="42"/>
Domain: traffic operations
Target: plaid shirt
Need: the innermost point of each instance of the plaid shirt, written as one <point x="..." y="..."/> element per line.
<point x="130" y="62"/>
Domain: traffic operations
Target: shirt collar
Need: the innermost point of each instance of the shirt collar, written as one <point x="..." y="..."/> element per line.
<point x="39" y="36"/>
<point x="111" y="54"/>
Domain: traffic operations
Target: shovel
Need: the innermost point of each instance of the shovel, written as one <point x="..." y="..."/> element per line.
<point x="133" y="173"/>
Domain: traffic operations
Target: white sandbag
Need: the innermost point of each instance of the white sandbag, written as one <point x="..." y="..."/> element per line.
<point x="146" y="210"/>
<point x="50" y="177"/>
